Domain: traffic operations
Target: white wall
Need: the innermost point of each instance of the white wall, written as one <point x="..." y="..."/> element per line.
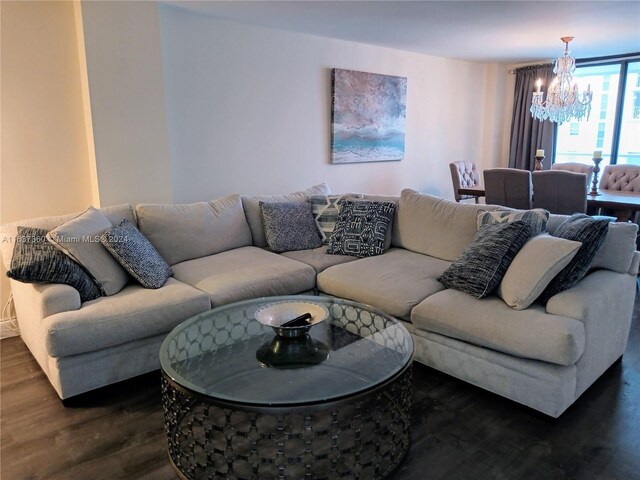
<point x="249" y="108"/>
<point x="43" y="146"/>
<point x="126" y="90"/>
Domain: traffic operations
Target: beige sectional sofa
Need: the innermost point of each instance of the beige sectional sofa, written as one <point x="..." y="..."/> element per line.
<point x="544" y="356"/>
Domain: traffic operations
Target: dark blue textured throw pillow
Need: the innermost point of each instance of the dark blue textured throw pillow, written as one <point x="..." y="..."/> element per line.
<point x="361" y="229"/>
<point x="137" y="256"/>
<point x="580" y="228"/>
<point x="36" y="260"/>
<point x="290" y="226"/>
<point x="480" y="268"/>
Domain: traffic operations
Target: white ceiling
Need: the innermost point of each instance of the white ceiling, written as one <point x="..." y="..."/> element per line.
<point x="484" y="31"/>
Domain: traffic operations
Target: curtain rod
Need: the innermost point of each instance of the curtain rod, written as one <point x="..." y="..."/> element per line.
<point x="583" y="62"/>
<point x="609" y="59"/>
<point x="529" y="67"/>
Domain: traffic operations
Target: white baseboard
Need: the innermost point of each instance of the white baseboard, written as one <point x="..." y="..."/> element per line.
<point x="6" y="331"/>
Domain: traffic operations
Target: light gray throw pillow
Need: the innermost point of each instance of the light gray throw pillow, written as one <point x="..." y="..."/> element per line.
<point x="537" y="218"/>
<point x="80" y="239"/>
<point x="533" y="268"/>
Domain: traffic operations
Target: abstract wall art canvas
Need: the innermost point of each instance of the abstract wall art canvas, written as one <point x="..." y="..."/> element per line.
<point x="367" y="117"/>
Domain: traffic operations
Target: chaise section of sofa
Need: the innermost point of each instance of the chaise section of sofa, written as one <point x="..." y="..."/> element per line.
<point x="544" y="357"/>
<point x="83" y="346"/>
<point x="114" y="338"/>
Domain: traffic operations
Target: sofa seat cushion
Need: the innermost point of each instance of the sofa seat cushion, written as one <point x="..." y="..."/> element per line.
<point x="491" y="323"/>
<point x="318" y="258"/>
<point x="131" y="314"/>
<point x="243" y="273"/>
<point x="395" y="282"/>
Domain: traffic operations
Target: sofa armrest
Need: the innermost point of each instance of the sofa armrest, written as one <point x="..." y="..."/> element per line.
<point x="635" y="263"/>
<point x="37" y="301"/>
<point x="601" y="294"/>
<point x="603" y="302"/>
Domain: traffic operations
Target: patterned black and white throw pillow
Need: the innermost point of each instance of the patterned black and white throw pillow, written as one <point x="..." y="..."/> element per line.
<point x="136" y="254"/>
<point x="36" y="260"/>
<point x="580" y="228"/>
<point x="480" y="268"/>
<point x="537" y="218"/>
<point x="326" y="210"/>
<point x="290" y="226"/>
<point x="361" y="228"/>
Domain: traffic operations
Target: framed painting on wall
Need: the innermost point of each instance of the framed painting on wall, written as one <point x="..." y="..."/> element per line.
<point x="367" y="117"/>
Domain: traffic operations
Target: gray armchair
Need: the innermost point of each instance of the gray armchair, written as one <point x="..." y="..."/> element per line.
<point x="510" y="187"/>
<point x="464" y="175"/>
<point x="560" y="191"/>
<point x="576" y="168"/>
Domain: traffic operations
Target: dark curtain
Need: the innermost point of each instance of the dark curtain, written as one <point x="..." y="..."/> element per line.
<point x="527" y="133"/>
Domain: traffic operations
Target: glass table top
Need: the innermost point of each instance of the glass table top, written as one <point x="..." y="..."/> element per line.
<point x="227" y="354"/>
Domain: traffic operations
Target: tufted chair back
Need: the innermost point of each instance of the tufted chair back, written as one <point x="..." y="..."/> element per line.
<point x="510" y="187"/>
<point x="576" y="168"/>
<point x="625" y="178"/>
<point x="464" y="175"/>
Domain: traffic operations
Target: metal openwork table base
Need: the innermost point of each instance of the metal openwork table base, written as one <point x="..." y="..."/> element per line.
<point x="364" y="436"/>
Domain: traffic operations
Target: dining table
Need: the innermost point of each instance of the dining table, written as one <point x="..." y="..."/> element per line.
<point x="622" y="204"/>
<point x="472" y="191"/>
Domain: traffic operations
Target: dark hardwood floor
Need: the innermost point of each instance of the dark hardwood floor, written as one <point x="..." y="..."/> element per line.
<point x="459" y="431"/>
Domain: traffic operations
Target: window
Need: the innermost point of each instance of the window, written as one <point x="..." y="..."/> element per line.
<point x="614" y="123"/>
<point x="629" y="148"/>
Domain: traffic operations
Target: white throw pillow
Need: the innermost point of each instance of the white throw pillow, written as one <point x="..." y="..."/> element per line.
<point x="80" y="239"/>
<point x="533" y="268"/>
<point x="326" y="209"/>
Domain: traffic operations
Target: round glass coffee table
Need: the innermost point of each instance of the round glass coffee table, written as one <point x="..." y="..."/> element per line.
<point x="241" y="402"/>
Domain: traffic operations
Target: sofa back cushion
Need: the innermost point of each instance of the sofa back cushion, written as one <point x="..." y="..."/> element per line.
<point x="251" y="205"/>
<point x="9" y="231"/>
<point x="185" y="231"/>
<point x="435" y="226"/>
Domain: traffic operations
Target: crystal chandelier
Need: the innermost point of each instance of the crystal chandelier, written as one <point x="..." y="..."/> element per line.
<point x="564" y="102"/>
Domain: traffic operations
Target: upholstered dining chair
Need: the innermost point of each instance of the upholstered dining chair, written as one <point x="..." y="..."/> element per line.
<point x="577" y="168"/>
<point x="510" y="187"/>
<point x="620" y="178"/>
<point x="623" y="178"/>
<point x="560" y="191"/>
<point x="464" y="175"/>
